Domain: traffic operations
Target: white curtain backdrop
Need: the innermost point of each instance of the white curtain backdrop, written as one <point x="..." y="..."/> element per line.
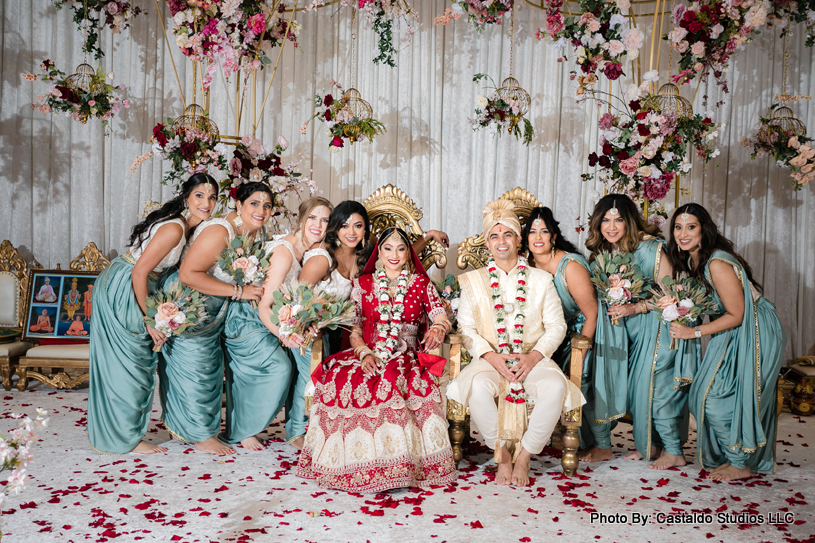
<point x="65" y="184"/>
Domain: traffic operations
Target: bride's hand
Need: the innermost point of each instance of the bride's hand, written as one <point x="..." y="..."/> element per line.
<point x="370" y="365"/>
<point x="433" y="338"/>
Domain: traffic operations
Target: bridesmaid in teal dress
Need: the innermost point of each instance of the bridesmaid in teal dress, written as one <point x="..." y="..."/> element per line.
<point x="259" y="368"/>
<point x="656" y="400"/>
<point x="191" y="367"/>
<point x="548" y="250"/>
<point x="733" y="395"/>
<point x="122" y="362"/>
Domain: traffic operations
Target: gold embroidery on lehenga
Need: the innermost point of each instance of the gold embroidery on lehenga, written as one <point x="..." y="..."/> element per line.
<point x="345" y="394"/>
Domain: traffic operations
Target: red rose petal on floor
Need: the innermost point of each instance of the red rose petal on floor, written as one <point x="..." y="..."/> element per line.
<point x="476" y="524"/>
<point x="524" y="540"/>
<point x="29" y="505"/>
<point x="221" y="488"/>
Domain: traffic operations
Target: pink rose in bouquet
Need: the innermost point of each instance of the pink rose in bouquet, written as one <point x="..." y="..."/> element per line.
<point x="284" y="314"/>
<point x="241" y="263"/>
<point x="167" y="311"/>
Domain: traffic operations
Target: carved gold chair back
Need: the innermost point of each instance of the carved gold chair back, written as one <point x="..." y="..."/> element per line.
<point x="473" y="252"/>
<point x="389" y="206"/>
<point x="90" y="259"/>
<point x="14" y="270"/>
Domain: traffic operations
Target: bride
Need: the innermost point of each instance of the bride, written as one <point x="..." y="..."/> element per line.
<point x="377" y="422"/>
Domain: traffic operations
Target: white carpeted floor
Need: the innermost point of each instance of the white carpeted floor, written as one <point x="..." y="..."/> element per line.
<point x="75" y="494"/>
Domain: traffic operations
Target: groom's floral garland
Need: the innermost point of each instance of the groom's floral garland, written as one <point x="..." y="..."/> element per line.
<point x="390" y="314"/>
<point x="516" y="390"/>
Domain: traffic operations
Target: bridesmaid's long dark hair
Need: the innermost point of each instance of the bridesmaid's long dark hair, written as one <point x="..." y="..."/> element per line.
<point x="171" y="209"/>
<point x="712" y="240"/>
<point x="545" y="214"/>
<point x="339" y="216"/>
<point x="635" y="226"/>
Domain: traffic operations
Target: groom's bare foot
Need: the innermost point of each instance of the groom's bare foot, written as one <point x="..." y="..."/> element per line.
<point x="504" y="474"/>
<point x="214" y="446"/>
<point x="667" y="460"/>
<point x="299" y="442"/>
<point x="148" y="448"/>
<point x="520" y="473"/>
<point x="730" y="473"/>
<point x="252" y="443"/>
<point x="595" y="454"/>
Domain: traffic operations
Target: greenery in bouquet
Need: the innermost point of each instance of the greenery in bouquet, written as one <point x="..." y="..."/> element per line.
<point x="617" y="279"/>
<point x="295" y="310"/>
<point x="600" y="37"/>
<point x="245" y="260"/>
<point x="480" y="13"/>
<point x="114" y="14"/>
<point x="341" y="121"/>
<point x="787" y="149"/>
<point x="684" y="300"/>
<point x="239" y="33"/>
<point x="173" y="309"/>
<point x="189" y="151"/>
<point x="496" y="114"/>
<point x="706" y="33"/>
<point x="15" y="451"/>
<point x="253" y="162"/>
<point x="98" y="101"/>
<point x="643" y="151"/>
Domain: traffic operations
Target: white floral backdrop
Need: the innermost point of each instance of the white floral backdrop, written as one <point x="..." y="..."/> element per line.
<point x="66" y="184"/>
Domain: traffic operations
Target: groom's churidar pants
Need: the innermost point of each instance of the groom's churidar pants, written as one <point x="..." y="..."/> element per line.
<point x="545" y="385"/>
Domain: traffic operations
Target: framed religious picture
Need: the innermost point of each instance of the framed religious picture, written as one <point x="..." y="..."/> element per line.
<point x="58" y="305"/>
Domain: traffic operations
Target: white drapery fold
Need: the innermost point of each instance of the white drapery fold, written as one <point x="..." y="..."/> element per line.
<point x="65" y="184"/>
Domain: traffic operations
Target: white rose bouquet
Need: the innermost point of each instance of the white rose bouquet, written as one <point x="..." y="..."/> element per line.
<point x="174" y="309"/>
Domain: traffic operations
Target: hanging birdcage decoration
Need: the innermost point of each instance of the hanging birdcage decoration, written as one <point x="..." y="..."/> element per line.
<point x="358" y="109"/>
<point x="669" y="101"/>
<point x="783" y="125"/>
<point x="513" y="94"/>
<point x="195" y="118"/>
<point x="80" y="80"/>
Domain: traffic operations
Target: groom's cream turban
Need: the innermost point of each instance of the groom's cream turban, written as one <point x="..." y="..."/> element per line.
<point x="500" y="212"/>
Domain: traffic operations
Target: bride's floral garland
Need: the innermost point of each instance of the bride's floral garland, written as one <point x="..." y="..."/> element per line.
<point x="516" y="390"/>
<point x="390" y="314"/>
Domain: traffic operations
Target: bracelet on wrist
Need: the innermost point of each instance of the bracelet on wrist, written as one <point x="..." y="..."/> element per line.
<point x="240" y="292"/>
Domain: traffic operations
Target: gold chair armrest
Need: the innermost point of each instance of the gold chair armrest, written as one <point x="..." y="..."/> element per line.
<point x="579" y="342"/>
<point x="455" y="341"/>
<point x="316" y="352"/>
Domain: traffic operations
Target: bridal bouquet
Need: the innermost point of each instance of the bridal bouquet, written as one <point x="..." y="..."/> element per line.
<point x="683" y="300"/>
<point x="296" y="310"/>
<point x="174" y="309"/>
<point x="15" y="451"/>
<point x="618" y="279"/>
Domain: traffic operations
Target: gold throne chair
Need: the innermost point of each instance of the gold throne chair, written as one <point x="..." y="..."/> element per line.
<point x="390" y="206"/>
<point x="472" y="252"/>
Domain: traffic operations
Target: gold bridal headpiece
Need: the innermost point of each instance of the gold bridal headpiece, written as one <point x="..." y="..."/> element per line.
<point x="500" y="212"/>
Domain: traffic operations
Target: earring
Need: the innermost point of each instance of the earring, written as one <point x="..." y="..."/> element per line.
<point x="186" y="212"/>
<point x="552" y="252"/>
<point x="237" y="221"/>
<point x="337" y="242"/>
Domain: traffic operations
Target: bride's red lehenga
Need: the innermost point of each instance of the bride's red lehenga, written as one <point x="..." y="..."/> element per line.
<point x="370" y="434"/>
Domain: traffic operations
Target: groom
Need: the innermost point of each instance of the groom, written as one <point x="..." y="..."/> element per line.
<point x="512" y="321"/>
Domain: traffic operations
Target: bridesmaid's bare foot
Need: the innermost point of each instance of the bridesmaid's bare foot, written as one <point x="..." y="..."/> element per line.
<point x="520" y="473"/>
<point x="730" y="473"/>
<point x="148" y="448"/>
<point x="667" y="460"/>
<point x="717" y="468"/>
<point x="595" y="454"/>
<point x="253" y="444"/>
<point x="635" y="455"/>
<point x="299" y="442"/>
<point x="214" y="446"/>
<point x="504" y="474"/>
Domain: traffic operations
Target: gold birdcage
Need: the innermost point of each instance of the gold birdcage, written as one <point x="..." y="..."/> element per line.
<point x="195" y="117"/>
<point x="783" y="124"/>
<point x="511" y="90"/>
<point x="669" y="101"/>
<point x="80" y="80"/>
<point x="360" y="109"/>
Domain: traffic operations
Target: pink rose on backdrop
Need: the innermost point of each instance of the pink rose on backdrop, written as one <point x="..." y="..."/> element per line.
<point x="284" y="313"/>
<point x="235" y="166"/>
<point x="629" y="165"/>
<point x="615" y="47"/>
<point x="283" y="143"/>
<point x="606" y="121"/>
<point x="698" y="49"/>
<point x="241" y="263"/>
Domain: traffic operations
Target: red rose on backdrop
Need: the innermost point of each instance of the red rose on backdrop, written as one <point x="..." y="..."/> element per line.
<point x="188" y="149"/>
<point x="607" y="148"/>
<point x="328" y="100"/>
<point x="613" y="70"/>
<point x="158" y="134"/>
<point x="695" y="27"/>
<point x="233" y="193"/>
<point x="336" y="142"/>
<point x="327" y="114"/>
<point x="278" y="172"/>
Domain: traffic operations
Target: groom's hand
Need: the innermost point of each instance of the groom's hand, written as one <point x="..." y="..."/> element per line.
<point x="499" y="362"/>
<point x="527" y="361"/>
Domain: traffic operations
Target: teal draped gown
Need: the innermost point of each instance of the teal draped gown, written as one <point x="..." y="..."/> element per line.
<point x="191" y="367"/>
<point x="657" y="400"/>
<point x="258" y="373"/>
<point x="733" y="396"/>
<point x="122" y="362"/>
<point x="604" y="368"/>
